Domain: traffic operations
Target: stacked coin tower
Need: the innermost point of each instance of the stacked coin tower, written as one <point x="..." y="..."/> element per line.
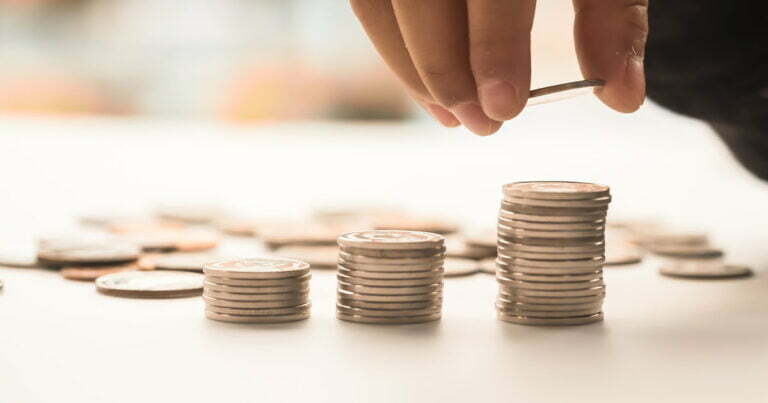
<point x="256" y="290"/>
<point x="551" y="246"/>
<point x="390" y="277"/>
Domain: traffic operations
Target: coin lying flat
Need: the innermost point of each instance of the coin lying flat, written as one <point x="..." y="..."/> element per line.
<point x="235" y="289"/>
<point x="390" y="275"/>
<point x="91" y="273"/>
<point x="559" y="92"/>
<point x="391" y="239"/>
<point x="151" y="284"/>
<point x="393" y="267"/>
<point x="184" y="240"/>
<point x="19" y="258"/>
<point x="394" y="253"/>
<point x="460" y="249"/>
<point x="177" y="261"/>
<point x="253" y="268"/>
<point x="687" y="251"/>
<point x="531" y="320"/>
<point x="382" y="313"/>
<point x="258" y="282"/>
<point x="318" y="257"/>
<point x="350" y="258"/>
<point x="488" y="266"/>
<point x="87" y="253"/>
<point x="388" y="321"/>
<point x="555" y="190"/>
<point x="408" y="282"/>
<point x="455" y="267"/>
<point x="260" y="312"/>
<point x="701" y="270"/>
<point x="299" y="235"/>
<point x="346" y="294"/>
<point x="402" y="290"/>
<point x="255" y="297"/>
<point x="624" y="255"/>
<point x="390" y="305"/>
<point x="223" y="317"/>
<point x="286" y="303"/>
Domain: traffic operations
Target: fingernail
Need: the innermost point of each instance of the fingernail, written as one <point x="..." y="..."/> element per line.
<point x="499" y="99"/>
<point x="442" y="115"/>
<point x="473" y="118"/>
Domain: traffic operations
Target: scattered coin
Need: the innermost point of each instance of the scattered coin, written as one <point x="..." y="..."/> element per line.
<point x="87" y="253"/>
<point x="687" y="251"/>
<point x="459" y="248"/>
<point x="488" y="266"/>
<point x="407" y="223"/>
<point x="703" y="269"/>
<point x="190" y="214"/>
<point x="622" y="255"/>
<point x="19" y="257"/>
<point x="151" y="284"/>
<point x="562" y="91"/>
<point x="455" y="267"/>
<point x="188" y="240"/>
<point x="299" y="235"/>
<point x="318" y="257"/>
<point x="176" y="261"/>
<point x="91" y="273"/>
<point x="140" y="225"/>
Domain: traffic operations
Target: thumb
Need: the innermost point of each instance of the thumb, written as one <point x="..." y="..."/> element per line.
<point x="610" y="44"/>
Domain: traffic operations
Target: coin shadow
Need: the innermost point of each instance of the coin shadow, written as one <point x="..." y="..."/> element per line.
<point x="525" y="333"/>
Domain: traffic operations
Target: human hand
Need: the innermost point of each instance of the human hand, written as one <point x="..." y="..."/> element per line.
<point x="469" y="61"/>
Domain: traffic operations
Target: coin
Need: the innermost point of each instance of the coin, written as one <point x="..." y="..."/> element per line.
<point x="257" y="268"/>
<point x="383" y="313"/>
<point x="390" y="275"/>
<point x="350" y="258"/>
<point x="258" y="282"/>
<point x="488" y="266"/>
<point x="505" y="241"/>
<point x="177" y="261"/>
<point x="391" y="239"/>
<point x="354" y="303"/>
<point x="550" y="264"/>
<point x="285" y="303"/>
<point x="190" y="214"/>
<point x="525" y="307"/>
<point x="174" y="240"/>
<point x="394" y="253"/>
<point x="504" y="268"/>
<point x="345" y="294"/>
<point x="555" y="190"/>
<point x="594" y="247"/>
<point x="19" y="258"/>
<point x="562" y="91"/>
<point x="405" y="223"/>
<point x="519" y="286"/>
<point x="585" y="203"/>
<point x="553" y="219"/>
<point x="505" y="298"/>
<point x="234" y="289"/>
<point x="91" y="273"/>
<point x="460" y="249"/>
<point x="141" y="225"/>
<point x="390" y="268"/>
<point x="538" y="278"/>
<point x="318" y="257"/>
<point x="87" y="253"/>
<point x="388" y="321"/>
<point x="588" y="213"/>
<point x="550" y="314"/>
<point x="687" y="251"/>
<point x="709" y="270"/>
<point x="223" y="317"/>
<point x="411" y="282"/>
<point x="567" y="226"/>
<point x="526" y="233"/>
<point x="237" y="226"/>
<point x="455" y="267"/>
<point x="530" y="320"/>
<point x="615" y="256"/>
<point x="585" y="292"/>
<point x="550" y="256"/>
<point x="260" y="311"/>
<point x="150" y="284"/>
<point x="220" y="295"/>
<point x="401" y="290"/>
<point x="275" y="237"/>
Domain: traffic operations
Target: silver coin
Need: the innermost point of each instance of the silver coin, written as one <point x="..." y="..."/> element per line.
<point x="253" y="268"/>
<point x="222" y="317"/>
<point x="615" y="256"/>
<point x="506" y="298"/>
<point x="150" y="284"/>
<point x="488" y="266"/>
<point x="698" y="269"/>
<point x="528" y="320"/>
<point x="521" y="306"/>
<point x="391" y="268"/>
<point x="391" y="261"/>
<point x="394" y="253"/>
<point x="389" y="283"/>
<point x="21" y="258"/>
<point x="454" y="267"/>
<point x="551" y="219"/>
<point x="555" y="190"/>
<point x="519" y="286"/>
<point x="583" y="247"/>
<point x="506" y="232"/>
<point x="460" y="249"/>
<point x="586" y="292"/>
<point x="177" y="261"/>
<point x="395" y="275"/>
<point x="258" y="282"/>
<point x="388" y="321"/>
<point x="255" y="297"/>
<point x="584" y="203"/>
<point x="391" y="239"/>
<point x="236" y="289"/>
<point x="550" y="314"/>
<point x="559" y="92"/>
<point x="345" y="294"/>
<point x="260" y="311"/>
<point x="687" y="251"/>
<point x="354" y="303"/>
<point x="545" y="226"/>
<point x="507" y="241"/>
<point x="551" y="264"/>
<point x="318" y="257"/>
<point x="503" y="268"/>
<point x="553" y="279"/>
<point x="287" y="303"/>
<point x="590" y="213"/>
<point x="402" y="290"/>
<point x="380" y="313"/>
<point x="513" y="254"/>
<point x="88" y="253"/>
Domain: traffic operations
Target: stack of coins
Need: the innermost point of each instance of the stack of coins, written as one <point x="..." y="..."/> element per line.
<point x="390" y="277"/>
<point x="270" y="290"/>
<point x="551" y="245"/>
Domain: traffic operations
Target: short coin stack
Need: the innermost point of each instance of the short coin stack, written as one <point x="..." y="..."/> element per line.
<point x="390" y="277"/>
<point x="551" y="245"/>
<point x="256" y="290"/>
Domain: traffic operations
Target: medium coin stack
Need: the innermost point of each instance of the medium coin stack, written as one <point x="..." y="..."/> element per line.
<point x="270" y="290"/>
<point x="551" y="246"/>
<point x="390" y="277"/>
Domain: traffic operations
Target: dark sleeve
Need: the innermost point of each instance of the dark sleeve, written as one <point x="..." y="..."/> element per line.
<point x="708" y="59"/>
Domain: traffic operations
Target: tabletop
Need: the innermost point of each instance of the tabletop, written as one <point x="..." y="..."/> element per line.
<point x="662" y="339"/>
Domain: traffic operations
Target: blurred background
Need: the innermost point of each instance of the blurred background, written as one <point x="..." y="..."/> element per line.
<point x="229" y="60"/>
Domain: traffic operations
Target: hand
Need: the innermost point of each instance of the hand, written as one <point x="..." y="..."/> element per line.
<point x="469" y="61"/>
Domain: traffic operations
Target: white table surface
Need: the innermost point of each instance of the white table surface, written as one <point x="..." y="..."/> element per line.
<point x="662" y="340"/>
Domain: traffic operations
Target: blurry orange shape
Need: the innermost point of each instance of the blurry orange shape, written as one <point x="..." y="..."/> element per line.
<point x="370" y="93"/>
<point x="51" y="93"/>
<point x="275" y="92"/>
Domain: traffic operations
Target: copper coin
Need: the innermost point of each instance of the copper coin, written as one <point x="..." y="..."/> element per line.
<point x="388" y="321"/>
<point x="151" y="284"/>
<point x="260" y="311"/>
<point x="401" y="290"/>
<point x="318" y="257"/>
<point x="556" y="190"/>
<point x="390" y="275"/>
<point x="381" y="313"/>
<point x="177" y="261"/>
<point x="258" y="282"/>
<point x="91" y="273"/>
<point x="345" y="294"/>
<point x="411" y="282"/>
<point x="286" y="303"/>
<point x="455" y="267"/>
<point x="257" y="268"/>
<point x="390" y="305"/>
<point x="391" y="239"/>
<point x="388" y="268"/>
<point x="87" y="253"/>
<point x="223" y="317"/>
<point x="394" y="253"/>
<point x="531" y="320"/>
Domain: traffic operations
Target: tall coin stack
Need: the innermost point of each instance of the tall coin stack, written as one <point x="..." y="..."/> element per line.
<point x="256" y="290"/>
<point x="390" y="277"/>
<point x="551" y="246"/>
